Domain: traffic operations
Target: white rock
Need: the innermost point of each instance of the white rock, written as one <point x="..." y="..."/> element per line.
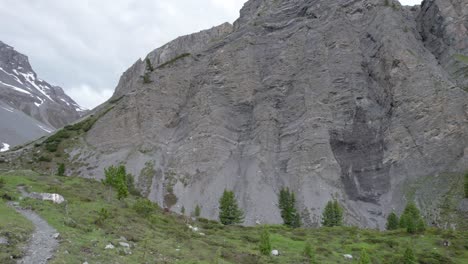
<point x="55" y="198"/>
<point x="56" y="235"/>
<point x="86" y="262"/>
<point x="275" y="252"/>
<point x="123" y="244"/>
<point x="201" y="234"/>
<point x="110" y="246"/>
<point x="257" y="222"/>
<point x="348" y="256"/>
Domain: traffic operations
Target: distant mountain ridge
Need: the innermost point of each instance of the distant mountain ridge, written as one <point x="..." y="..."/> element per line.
<point x="29" y="106"/>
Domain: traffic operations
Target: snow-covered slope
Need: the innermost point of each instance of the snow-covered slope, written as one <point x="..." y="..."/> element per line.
<point x="29" y="107"/>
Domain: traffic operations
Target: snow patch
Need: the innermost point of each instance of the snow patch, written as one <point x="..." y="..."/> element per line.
<point x="15" y="88"/>
<point x="31" y="79"/>
<point x="12" y="75"/>
<point x="45" y="129"/>
<point x="8" y="109"/>
<point x="5" y="147"/>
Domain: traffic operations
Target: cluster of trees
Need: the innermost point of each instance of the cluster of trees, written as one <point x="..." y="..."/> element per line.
<point x="411" y="220"/>
<point x="332" y="214"/>
<point x="287" y="205"/>
<point x="117" y="178"/>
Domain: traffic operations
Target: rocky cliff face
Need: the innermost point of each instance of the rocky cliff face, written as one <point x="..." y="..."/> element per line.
<point x="347" y="99"/>
<point x="29" y="107"/>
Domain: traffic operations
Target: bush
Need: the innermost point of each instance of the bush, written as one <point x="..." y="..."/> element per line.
<point x="149" y="66"/>
<point x="103" y="215"/>
<point x="52" y="146"/>
<point x="265" y="244"/>
<point x="466" y="185"/>
<point x="144" y="207"/>
<point x="2" y="182"/>
<point x="364" y="258"/>
<point x="308" y="252"/>
<point x="44" y="159"/>
<point x="61" y="169"/>
<point x="408" y="257"/>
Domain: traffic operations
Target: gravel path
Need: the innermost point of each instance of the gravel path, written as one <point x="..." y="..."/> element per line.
<point x="42" y="244"/>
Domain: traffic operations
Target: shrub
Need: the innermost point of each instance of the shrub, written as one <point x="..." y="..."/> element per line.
<point x="332" y="214"/>
<point x="116" y="177"/>
<point x="2" y="182"/>
<point x="44" y="159"/>
<point x="144" y="207"/>
<point x="308" y="253"/>
<point x="229" y="212"/>
<point x="364" y="258"/>
<point x="392" y="221"/>
<point x="265" y="244"/>
<point x="103" y="215"/>
<point x="287" y="205"/>
<point x="61" y="169"/>
<point x="146" y="78"/>
<point x="149" y="66"/>
<point x="52" y="146"/>
<point x="408" y="257"/>
<point x="466" y="185"/>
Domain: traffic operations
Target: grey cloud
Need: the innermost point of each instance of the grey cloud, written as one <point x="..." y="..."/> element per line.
<point x="85" y="45"/>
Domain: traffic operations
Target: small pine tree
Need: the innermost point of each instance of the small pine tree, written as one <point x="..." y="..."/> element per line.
<point x="308" y="252"/>
<point x="122" y="191"/>
<point x="411" y="219"/>
<point x="408" y="257"/>
<point x="265" y="244"/>
<point x="149" y="66"/>
<point x="61" y="169"/>
<point x="420" y="225"/>
<point x="182" y="210"/>
<point x="287" y="205"/>
<point x="466" y="185"/>
<point x="392" y="221"/>
<point x="364" y="258"/>
<point x="103" y="215"/>
<point x="197" y="211"/>
<point x="229" y="212"/>
<point x="332" y="214"/>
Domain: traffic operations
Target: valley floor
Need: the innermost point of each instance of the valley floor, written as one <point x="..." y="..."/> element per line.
<point x="92" y="219"/>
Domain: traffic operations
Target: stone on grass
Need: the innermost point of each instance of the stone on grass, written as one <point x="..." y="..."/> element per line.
<point x="275" y="252"/>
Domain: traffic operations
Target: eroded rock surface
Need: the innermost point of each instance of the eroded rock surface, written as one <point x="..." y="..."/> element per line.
<point x="346" y="99"/>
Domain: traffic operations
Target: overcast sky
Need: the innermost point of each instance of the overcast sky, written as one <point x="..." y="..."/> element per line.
<point x="85" y="45"/>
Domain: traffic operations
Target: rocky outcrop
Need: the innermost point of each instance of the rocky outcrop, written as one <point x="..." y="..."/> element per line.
<point x="339" y="99"/>
<point x="444" y="26"/>
<point x="29" y="107"/>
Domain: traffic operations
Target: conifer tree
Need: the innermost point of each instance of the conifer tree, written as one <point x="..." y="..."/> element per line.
<point x="287" y="205"/>
<point x="197" y="211"/>
<point x="229" y="212"/>
<point x="332" y="214"/>
<point x="364" y="258"/>
<point x="411" y="219"/>
<point x="265" y="244"/>
<point x="392" y="221"/>
<point x="408" y="257"/>
<point x="466" y="185"/>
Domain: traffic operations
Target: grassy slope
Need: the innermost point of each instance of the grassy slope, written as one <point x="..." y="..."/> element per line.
<point x="165" y="238"/>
